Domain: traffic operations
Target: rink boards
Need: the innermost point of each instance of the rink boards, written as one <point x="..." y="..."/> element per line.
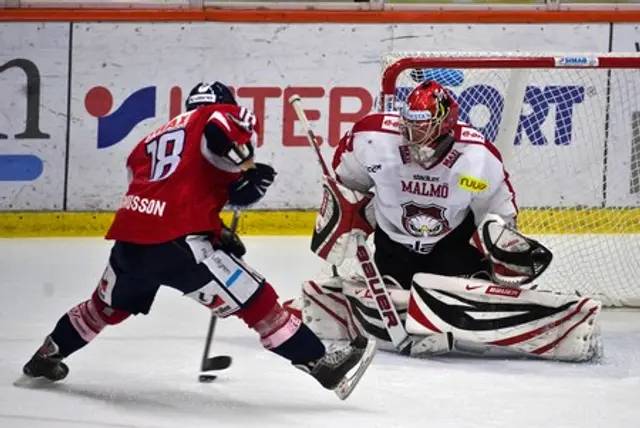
<point x="81" y="95"/>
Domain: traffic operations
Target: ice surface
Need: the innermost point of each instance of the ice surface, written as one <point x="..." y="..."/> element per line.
<point x="143" y="372"/>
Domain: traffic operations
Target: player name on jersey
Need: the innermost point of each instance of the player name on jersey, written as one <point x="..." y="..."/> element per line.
<point x="144" y="205"/>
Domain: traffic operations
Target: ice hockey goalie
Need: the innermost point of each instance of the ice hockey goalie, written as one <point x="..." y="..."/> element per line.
<point x="437" y="199"/>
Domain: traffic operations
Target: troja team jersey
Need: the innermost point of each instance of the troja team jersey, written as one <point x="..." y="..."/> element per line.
<point x="418" y="206"/>
<point x="178" y="186"/>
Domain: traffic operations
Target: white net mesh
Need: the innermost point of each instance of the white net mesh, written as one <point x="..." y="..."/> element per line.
<point x="568" y="127"/>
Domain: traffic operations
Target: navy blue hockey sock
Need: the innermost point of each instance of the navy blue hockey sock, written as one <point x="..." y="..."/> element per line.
<point x="303" y="347"/>
<point x="67" y="337"/>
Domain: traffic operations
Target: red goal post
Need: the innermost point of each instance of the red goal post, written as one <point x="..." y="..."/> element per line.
<point x="568" y="127"/>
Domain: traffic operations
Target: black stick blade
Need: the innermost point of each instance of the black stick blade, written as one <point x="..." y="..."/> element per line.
<point x="219" y="362"/>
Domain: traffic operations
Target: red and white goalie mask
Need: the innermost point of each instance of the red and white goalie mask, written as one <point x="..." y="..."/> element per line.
<point x="427" y="118"/>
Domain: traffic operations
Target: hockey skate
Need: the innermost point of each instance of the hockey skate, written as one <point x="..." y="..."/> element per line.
<point x="46" y="363"/>
<point x="340" y="370"/>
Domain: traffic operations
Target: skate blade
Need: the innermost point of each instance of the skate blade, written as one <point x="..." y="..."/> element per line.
<point x="25" y="381"/>
<point x="351" y="379"/>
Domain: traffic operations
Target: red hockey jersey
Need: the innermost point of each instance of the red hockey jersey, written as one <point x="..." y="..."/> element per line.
<point x="178" y="185"/>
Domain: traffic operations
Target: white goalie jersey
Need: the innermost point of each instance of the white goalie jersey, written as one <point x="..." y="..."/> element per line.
<point x="415" y="206"/>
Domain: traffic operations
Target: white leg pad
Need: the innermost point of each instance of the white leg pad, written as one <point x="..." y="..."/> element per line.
<point x="325" y="310"/>
<point x="342" y="309"/>
<point x="482" y="316"/>
<point x="365" y="314"/>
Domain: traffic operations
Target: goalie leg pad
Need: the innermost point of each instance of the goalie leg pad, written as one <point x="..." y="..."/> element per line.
<point x="325" y="309"/>
<point x="483" y="316"/>
<point x="342" y="309"/>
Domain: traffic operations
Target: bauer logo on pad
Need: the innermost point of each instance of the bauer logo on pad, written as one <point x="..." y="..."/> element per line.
<point x="503" y="291"/>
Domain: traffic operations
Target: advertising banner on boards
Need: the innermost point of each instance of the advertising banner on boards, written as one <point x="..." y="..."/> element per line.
<point x="34" y="76"/>
<point x="130" y="78"/>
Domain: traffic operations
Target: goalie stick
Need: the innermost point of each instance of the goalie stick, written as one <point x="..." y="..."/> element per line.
<point x="219" y="362"/>
<point x="375" y="284"/>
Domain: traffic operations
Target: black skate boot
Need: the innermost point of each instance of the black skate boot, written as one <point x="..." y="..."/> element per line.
<point x="46" y="363"/>
<point x="332" y="369"/>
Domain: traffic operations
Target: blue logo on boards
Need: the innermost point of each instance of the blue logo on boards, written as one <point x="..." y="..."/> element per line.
<point x="114" y="126"/>
<point x="20" y="167"/>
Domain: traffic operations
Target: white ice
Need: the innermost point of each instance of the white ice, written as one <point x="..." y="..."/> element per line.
<point x="143" y="372"/>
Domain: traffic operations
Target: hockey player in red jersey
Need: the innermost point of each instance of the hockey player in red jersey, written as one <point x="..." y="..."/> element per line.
<point x="443" y="219"/>
<point x="168" y="231"/>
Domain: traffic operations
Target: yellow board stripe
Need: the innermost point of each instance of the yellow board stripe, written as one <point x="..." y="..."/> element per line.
<point x="548" y="221"/>
<point x="44" y="224"/>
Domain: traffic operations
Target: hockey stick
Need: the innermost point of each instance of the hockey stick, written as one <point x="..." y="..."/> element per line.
<point x="219" y="362"/>
<point x="375" y="284"/>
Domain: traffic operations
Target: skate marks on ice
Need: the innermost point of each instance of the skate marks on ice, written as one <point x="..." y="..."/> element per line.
<point x="61" y="422"/>
<point x="159" y="404"/>
<point x="120" y="384"/>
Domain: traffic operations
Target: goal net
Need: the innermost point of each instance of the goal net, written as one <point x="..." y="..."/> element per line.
<point x="568" y="127"/>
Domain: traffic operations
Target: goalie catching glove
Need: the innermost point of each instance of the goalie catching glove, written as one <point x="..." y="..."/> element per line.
<point x="514" y="259"/>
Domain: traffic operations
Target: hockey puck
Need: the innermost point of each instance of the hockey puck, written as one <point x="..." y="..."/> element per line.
<point x="204" y="378"/>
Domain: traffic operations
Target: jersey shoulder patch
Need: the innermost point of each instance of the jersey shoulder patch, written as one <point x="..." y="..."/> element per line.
<point x="475" y="142"/>
<point x="467" y="134"/>
<point x="472" y="184"/>
<point x="378" y="122"/>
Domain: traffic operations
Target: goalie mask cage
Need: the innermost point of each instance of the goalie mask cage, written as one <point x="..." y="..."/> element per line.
<point x="568" y="128"/>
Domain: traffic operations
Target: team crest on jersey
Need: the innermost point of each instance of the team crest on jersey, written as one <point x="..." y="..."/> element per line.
<point x="424" y="220"/>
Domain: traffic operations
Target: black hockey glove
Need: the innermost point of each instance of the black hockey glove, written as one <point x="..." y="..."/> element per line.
<point x="230" y="242"/>
<point x="251" y="186"/>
